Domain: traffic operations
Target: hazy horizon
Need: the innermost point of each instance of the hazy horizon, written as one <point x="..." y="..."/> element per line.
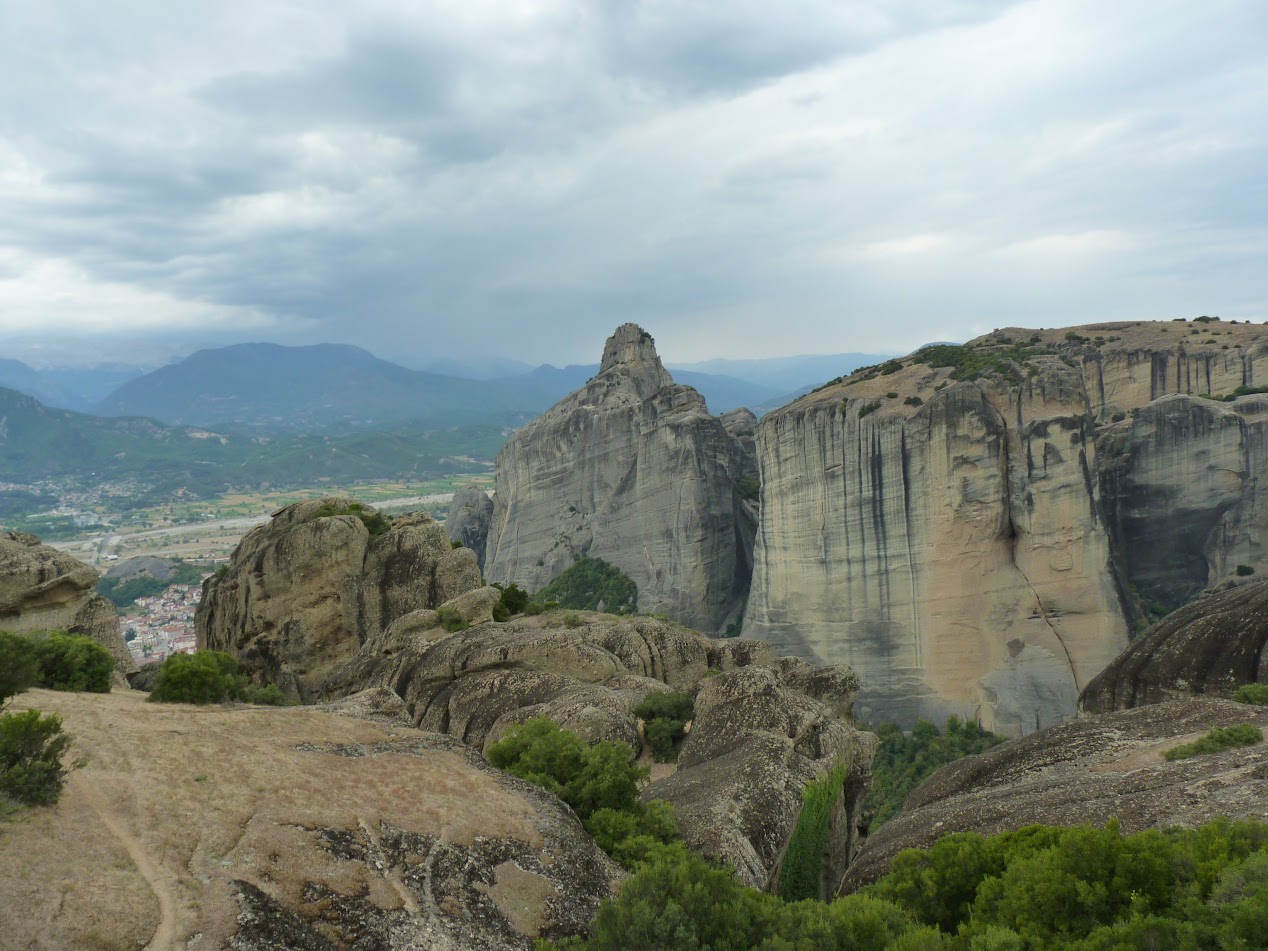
<point x="429" y="181"/>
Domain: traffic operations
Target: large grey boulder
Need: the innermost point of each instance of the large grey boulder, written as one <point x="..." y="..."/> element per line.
<point x="1211" y="646"/>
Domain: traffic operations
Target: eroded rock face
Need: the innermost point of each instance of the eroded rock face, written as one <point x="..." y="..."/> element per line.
<point x="470" y="515"/>
<point x="304" y="592"/>
<point x="1191" y="494"/>
<point x="970" y="547"/>
<point x="763" y="728"/>
<point x="42" y="589"/>
<point x="756" y="742"/>
<point x="1088" y="771"/>
<point x="634" y="470"/>
<point x="1211" y="646"/>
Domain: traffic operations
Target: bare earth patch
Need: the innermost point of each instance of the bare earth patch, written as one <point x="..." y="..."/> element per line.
<point x="177" y="806"/>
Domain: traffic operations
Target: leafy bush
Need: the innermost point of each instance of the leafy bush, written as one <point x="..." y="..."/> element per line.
<point x="599" y="782"/>
<point x="31" y="749"/>
<point x="749" y="488"/>
<point x="19" y="667"/>
<point x="1245" y="570"/>
<point x="968" y="363"/>
<point x="1217" y="741"/>
<point x="204" y="677"/>
<point x="1035" y="888"/>
<point x="1256" y="694"/>
<point x="665" y="717"/>
<point x="903" y="762"/>
<point x="71" y="662"/>
<point x="376" y="522"/>
<point x="590" y="582"/>
<point x="913" y="401"/>
<point x="572" y="619"/>
<point x="802" y="873"/>
<point x="514" y="600"/>
<point x="451" y="619"/>
<point x="270" y="695"/>
<point x="866" y="409"/>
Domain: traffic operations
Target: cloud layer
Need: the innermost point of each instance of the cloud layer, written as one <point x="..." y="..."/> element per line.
<point x="742" y="178"/>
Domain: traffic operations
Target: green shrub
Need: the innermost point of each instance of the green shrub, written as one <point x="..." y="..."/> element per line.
<point x="598" y="782"/>
<point x="204" y="677"/>
<point x="19" y="667"/>
<point x="31" y="749"/>
<point x="801" y="876"/>
<point x="451" y="619"/>
<point x="1217" y="741"/>
<point x="1256" y="694"/>
<point x="375" y="522"/>
<point x="749" y="488"/>
<point x="591" y="584"/>
<point x="534" y="607"/>
<point x="903" y="762"/>
<point x="866" y="409"/>
<point x="913" y="401"/>
<point x="1245" y="570"/>
<point x="968" y="363"/>
<point x="71" y="662"/>
<point x="1035" y="888"/>
<point x="270" y="695"/>
<point x="572" y="619"/>
<point x="672" y="705"/>
<point x="514" y="600"/>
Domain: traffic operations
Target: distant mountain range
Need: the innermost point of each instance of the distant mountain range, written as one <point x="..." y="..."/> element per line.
<point x="78" y="388"/>
<point x="334" y="387"/>
<point x="39" y="442"/>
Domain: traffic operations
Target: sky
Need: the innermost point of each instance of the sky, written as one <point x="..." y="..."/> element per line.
<point x="502" y="179"/>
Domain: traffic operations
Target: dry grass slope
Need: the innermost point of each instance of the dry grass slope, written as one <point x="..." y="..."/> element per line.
<point x="176" y="803"/>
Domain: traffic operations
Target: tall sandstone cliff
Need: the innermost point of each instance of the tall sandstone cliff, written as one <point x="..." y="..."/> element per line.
<point x="970" y="537"/>
<point x="632" y="469"/>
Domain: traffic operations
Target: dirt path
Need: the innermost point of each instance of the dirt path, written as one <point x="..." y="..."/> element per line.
<point x="161" y="883"/>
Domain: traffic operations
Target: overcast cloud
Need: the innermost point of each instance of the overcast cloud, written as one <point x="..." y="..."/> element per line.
<point x="742" y="178"/>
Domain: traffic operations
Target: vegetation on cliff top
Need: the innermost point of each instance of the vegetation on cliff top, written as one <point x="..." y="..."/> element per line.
<point x="1078" y="889"/>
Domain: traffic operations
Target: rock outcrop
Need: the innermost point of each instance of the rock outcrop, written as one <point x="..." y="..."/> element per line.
<point x="42" y="589"/>
<point x="470" y="515"/>
<point x="1209" y="647"/>
<point x="304" y="592"/>
<point x="763" y="728"/>
<point x="262" y="829"/>
<point x="1088" y="771"/>
<point x="759" y="737"/>
<point x="964" y="526"/>
<point x="634" y="470"/>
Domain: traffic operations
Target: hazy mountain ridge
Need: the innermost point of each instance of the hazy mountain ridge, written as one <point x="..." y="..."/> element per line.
<point x="39" y="443"/>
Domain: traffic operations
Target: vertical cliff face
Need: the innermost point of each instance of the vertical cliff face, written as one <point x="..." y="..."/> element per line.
<point x="632" y="469"/>
<point x="943" y="523"/>
<point x="1191" y="501"/>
